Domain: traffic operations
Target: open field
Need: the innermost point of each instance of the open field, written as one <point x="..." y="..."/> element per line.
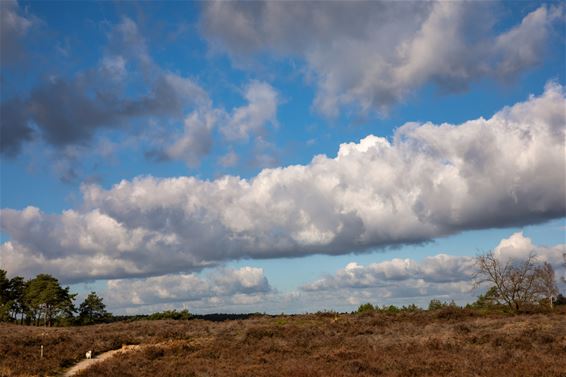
<point x="446" y="343"/>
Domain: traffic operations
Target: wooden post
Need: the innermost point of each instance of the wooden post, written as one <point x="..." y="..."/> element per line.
<point x="42" y="340"/>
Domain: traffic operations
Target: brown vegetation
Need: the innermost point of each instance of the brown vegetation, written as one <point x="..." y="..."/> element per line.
<point x="450" y="342"/>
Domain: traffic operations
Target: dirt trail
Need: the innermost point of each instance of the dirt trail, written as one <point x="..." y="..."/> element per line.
<point x="87" y="363"/>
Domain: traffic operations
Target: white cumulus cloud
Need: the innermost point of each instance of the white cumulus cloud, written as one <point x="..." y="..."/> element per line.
<point x="220" y="287"/>
<point x="427" y="181"/>
<point x="439" y="275"/>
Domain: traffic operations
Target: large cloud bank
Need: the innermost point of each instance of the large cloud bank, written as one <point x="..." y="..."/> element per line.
<point x="428" y="181"/>
<point x="392" y="48"/>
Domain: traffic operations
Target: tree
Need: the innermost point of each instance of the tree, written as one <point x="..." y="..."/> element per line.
<point x="515" y="282"/>
<point x="11" y="297"/>
<point x="46" y="299"/>
<point x="5" y="305"/>
<point x="17" y="289"/>
<point x="92" y="309"/>
<point x="546" y="283"/>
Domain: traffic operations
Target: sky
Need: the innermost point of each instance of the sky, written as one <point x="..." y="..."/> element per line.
<point x="279" y="156"/>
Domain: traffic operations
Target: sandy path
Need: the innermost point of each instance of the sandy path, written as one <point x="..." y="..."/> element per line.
<point x="87" y="363"/>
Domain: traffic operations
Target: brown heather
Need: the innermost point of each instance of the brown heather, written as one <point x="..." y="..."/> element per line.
<point x="451" y="342"/>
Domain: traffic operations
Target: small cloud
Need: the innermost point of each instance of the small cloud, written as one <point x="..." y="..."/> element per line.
<point x="230" y="159"/>
<point x="114" y="67"/>
<point x="252" y="118"/>
<point x="196" y="139"/>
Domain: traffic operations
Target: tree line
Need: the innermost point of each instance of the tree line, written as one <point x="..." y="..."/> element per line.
<point x="43" y="301"/>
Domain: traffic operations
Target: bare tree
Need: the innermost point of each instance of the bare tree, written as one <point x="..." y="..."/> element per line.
<point x="516" y="282"/>
<point x="546" y="283"/>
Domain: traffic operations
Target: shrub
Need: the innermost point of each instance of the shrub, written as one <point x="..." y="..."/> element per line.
<point x="170" y="314"/>
<point x="410" y="308"/>
<point x="367" y="307"/>
<point x="436" y="304"/>
<point x="560" y="300"/>
<point x="391" y="309"/>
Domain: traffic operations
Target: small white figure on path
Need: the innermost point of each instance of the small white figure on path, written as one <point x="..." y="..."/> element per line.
<point x="89" y="354"/>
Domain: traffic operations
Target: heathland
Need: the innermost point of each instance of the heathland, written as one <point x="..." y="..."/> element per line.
<point x="446" y="342"/>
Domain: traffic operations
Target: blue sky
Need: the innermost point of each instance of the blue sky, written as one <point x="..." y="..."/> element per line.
<point x="151" y="149"/>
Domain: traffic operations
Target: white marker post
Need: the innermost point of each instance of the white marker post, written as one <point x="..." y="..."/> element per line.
<point x="42" y="340"/>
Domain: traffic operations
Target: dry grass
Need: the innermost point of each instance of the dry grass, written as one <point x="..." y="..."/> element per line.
<point x="373" y="344"/>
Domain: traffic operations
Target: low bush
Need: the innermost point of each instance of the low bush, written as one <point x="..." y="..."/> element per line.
<point x="367" y="307"/>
